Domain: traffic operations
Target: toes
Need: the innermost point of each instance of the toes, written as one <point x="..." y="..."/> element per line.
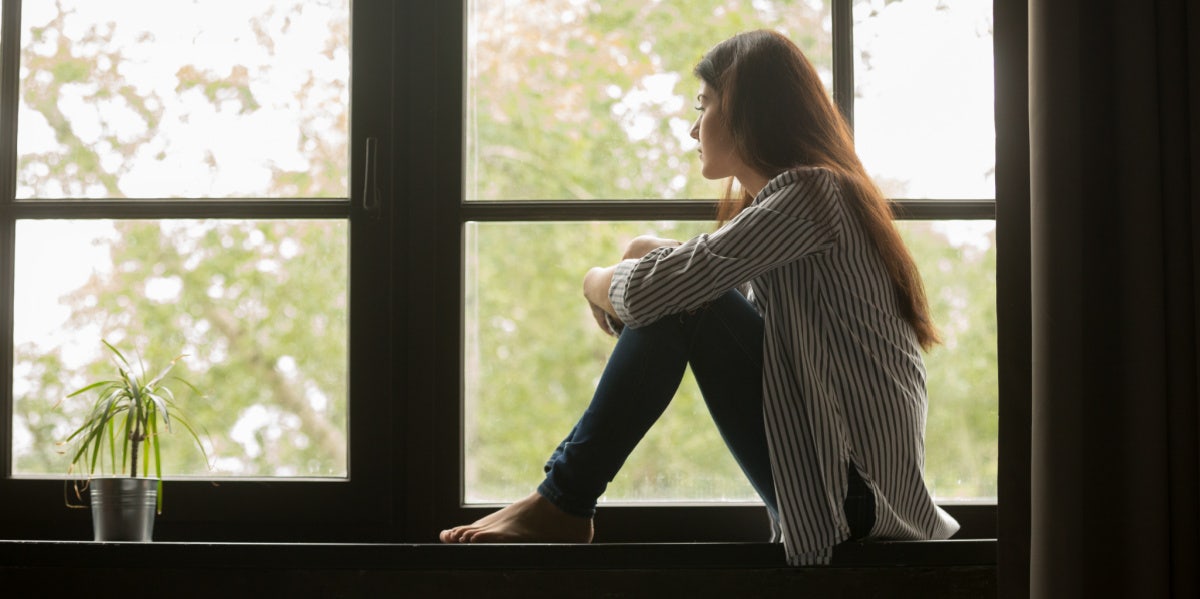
<point x="453" y="535"/>
<point x="499" y="534"/>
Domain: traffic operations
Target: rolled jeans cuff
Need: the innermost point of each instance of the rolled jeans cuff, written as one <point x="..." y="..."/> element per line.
<point x="551" y="492"/>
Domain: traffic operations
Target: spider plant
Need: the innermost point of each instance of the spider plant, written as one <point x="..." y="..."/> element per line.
<point x="127" y="413"/>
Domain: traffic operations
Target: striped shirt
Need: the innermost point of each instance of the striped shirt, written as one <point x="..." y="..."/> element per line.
<point x="843" y="377"/>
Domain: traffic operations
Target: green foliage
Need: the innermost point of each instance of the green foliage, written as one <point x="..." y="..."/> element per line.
<point x="557" y="107"/>
<point x="216" y="89"/>
<point x="259" y="305"/>
<point x="555" y="110"/>
<point x="536" y="355"/>
<point x="71" y="71"/>
<point x="270" y="347"/>
<point x="541" y="130"/>
<point x="960" y="436"/>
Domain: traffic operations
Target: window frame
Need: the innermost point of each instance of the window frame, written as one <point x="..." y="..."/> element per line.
<point x="640" y="522"/>
<point x="406" y="378"/>
<point x="240" y="509"/>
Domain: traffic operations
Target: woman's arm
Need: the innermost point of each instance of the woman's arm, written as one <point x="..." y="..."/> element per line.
<point x="644" y="244"/>
<point x="802" y="217"/>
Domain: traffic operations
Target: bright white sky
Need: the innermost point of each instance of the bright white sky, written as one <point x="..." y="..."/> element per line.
<point x="924" y="106"/>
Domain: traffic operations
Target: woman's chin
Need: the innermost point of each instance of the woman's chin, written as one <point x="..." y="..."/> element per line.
<point x="710" y="174"/>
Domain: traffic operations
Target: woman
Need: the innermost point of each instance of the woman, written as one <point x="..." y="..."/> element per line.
<point x="814" y="376"/>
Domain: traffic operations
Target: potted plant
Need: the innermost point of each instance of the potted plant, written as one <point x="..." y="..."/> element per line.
<point x="122" y="426"/>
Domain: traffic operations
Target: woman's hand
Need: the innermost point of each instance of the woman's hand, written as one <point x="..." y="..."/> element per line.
<point x="644" y="244"/>
<point x="595" y="289"/>
<point x="609" y="324"/>
<point x="598" y="280"/>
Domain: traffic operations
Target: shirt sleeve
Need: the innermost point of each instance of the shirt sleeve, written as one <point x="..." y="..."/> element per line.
<point x="798" y="220"/>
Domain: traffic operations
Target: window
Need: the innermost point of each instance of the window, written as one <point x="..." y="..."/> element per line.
<point x="576" y="139"/>
<point x="178" y="180"/>
<point x="296" y="198"/>
<point x="924" y="127"/>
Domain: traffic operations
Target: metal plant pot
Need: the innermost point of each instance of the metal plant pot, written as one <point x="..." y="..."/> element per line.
<point x="123" y="508"/>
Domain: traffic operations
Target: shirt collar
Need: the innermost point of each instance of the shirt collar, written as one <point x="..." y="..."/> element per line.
<point x="780" y="181"/>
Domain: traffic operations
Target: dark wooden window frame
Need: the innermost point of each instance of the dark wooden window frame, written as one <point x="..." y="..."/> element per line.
<point x="631" y="522"/>
<point x="354" y="509"/>
<point x="405" y="479"/>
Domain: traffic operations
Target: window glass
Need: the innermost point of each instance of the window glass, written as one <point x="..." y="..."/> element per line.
<point x="586" y="100"/>
<point x="174" y="98"/>
<point x="258" y="307"/>
<point x="923" y="105"/>
<point x="534" y="354"/>
<point x="957" y="260"/>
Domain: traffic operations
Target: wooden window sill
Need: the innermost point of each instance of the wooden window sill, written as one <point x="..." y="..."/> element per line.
<point x="954" y="568"/>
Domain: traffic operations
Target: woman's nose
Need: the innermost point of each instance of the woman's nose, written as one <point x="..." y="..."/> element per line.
<point x="695" y="133"/>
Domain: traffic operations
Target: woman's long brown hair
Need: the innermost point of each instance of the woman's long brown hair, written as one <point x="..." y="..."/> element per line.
<point x="781" y="118"/>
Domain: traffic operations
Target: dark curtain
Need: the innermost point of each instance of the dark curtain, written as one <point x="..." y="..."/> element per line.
<point x="1115" y="237"/>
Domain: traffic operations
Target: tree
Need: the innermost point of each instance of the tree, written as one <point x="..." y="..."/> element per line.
<point x="568" y="99"/>
<point x="561" y="106"/>
<point x="258" y="306"/>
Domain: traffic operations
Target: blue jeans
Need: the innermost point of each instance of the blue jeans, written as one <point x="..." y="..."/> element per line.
<point x="722" y="342"/>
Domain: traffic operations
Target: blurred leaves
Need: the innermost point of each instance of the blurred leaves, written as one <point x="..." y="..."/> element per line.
<point x="567" y="99"/>
<point x="260" y="305"/>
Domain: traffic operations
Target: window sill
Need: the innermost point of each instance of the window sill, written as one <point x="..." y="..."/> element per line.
<point x="391" y="556"/>
<point x="955" y="568"/>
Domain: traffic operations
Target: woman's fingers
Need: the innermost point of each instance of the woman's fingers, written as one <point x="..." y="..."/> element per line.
<point x="601" y="319"/>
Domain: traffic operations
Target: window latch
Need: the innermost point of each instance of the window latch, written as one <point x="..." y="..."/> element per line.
<point x="370" y="197"/>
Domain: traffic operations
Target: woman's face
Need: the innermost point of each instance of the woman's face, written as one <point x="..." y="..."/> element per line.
<point x="718" y="159"/>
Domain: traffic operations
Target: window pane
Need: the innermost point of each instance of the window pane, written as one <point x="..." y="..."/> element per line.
<point x="174" y="98"/>
<point x="259" y="307"/>
<point x="923" y="105"/>
<point x="533" y="356"/>
<point x="568" y="99"/>
<point x="957" y="260"/>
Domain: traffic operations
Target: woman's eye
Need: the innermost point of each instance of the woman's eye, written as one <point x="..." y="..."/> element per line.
<point x="700" y="108"/>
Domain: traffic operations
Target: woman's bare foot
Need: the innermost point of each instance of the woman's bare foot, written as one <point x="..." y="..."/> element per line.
<point x="530" y="520"/>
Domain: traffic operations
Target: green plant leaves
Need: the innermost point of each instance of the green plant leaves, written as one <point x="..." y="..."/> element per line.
<point x="126" y="413"/>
